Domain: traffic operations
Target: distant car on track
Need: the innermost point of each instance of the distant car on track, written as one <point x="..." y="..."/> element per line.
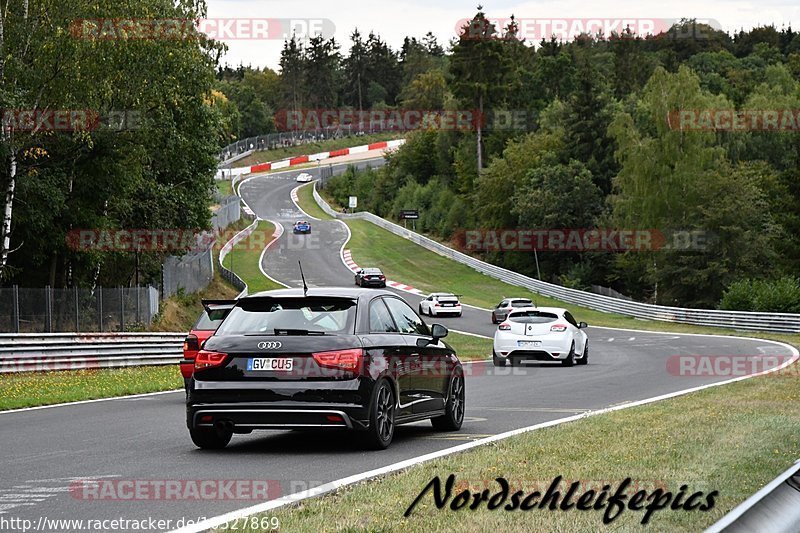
<point x="540" y="334"/>
<point x="370" y="277"/>
<point x="304" y="177"/>
<point x="301" y="227"/>
<point x="500" y="311"/>
<point x="334" y="358"/>
<point x="440" y="303"/>
<point x="214" y="311"/>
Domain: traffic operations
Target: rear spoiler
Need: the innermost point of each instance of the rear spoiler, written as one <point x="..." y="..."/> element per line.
<point x="218" y="305"/>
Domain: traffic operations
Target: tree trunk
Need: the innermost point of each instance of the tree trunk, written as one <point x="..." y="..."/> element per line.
<point x="5" y="229"/>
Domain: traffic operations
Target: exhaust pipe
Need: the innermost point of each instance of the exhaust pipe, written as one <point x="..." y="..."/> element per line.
<point x="224" y="426"/>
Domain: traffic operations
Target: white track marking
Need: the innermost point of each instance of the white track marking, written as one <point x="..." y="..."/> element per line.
<point x="278" y="233"/>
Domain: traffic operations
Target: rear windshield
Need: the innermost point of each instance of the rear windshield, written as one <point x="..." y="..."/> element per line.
<point x="521" y="303"/>
<point x="533" y="317"/>
<point x="276" y="316"/>
<point x="210" y="323"/>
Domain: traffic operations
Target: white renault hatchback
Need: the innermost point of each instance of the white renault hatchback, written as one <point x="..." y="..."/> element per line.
<point x="540" y="334"/>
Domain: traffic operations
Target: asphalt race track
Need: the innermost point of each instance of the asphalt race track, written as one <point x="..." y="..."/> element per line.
<point x="45" y="451"/>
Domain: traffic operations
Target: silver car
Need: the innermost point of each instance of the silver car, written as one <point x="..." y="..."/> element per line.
<point x="501" y="310"/>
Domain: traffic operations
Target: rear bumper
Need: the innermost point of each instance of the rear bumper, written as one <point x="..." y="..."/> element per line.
<point x="342" y="404"/>
<point x="370" y="283"/>
<point x="447" y="311"/>
<point x="247" y="417"/>
<point x="535" y="355"/>
<point x="301" y="232"/>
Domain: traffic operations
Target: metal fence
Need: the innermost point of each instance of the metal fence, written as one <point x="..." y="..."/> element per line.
<point x="230" y="211"/>
<point x="189" y="273"/>
<point x="75" y="351"/>
<point x="44" y="309"/>
<point x="743" y="320"/>
<point x="291" y="138"/>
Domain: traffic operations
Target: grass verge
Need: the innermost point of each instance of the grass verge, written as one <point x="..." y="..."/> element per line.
<point x="313" y="148"/>
<point x="305" y="195"/>
<point x="470" y="348"/>
<point x="704" y="440"/>
<point x="30" y="389"/>
<point x="245" y="256"/>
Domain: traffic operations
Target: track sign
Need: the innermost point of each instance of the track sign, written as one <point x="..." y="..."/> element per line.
<point x="353" y="202"/>
<point x="409" y="214"/>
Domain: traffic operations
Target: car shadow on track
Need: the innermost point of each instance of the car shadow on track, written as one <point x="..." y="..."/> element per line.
<point x="288" y="443"/>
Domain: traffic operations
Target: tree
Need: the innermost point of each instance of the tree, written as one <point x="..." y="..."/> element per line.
<point x="479" y="66"/>
<point x="292" y="75"/>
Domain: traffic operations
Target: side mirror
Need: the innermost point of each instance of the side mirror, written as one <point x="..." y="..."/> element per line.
<point x="582" y="325"/>
<point x="438" y="331"/>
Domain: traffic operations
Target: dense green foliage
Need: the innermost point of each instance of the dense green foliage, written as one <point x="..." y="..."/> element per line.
<point x="154" y="173"/>
<point x="597" y="150"/>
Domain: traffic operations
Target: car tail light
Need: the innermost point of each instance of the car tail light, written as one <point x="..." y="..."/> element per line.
<point x="505" y="326"/>
<point x="191" y="343"/>
<point x="383" y="278"/>
<point x="342" y="359"/>
<point x="559" y="327"/>
<point x="437" y="304"/>
<point x="206" y="359"/>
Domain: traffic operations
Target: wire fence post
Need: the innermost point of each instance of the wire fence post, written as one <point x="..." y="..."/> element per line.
<point x="48" y="308"/>
<point x="121" y="308"/>
<point x="77" y="310"/>
<point x="100" y="308"/>
<point x="15" y="297"/>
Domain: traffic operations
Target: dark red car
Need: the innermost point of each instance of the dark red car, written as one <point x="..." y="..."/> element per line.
<point x="214" y="311"/>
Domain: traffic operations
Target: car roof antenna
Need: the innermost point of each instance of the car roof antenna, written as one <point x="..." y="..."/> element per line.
<point x="305" y="287"/>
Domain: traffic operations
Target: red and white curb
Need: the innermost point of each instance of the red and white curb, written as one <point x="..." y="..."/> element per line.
<point x="347" y="257"/>
<point x="302" y="159"/>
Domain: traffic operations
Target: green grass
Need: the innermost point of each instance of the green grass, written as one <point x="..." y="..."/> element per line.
<point x="733" y="439"/>
<point x="30" y="389"/>
<point x="224" y="187"/>
<point x="313" y="148"/>
<point x="306" y="200"/>
<point x="470" y="348"/>
<point x="244" y="258"/>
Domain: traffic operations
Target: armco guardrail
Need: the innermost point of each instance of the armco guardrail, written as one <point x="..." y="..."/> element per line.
<point x="743" y="320"/>
<point x="773" y="509"/>
<point x="71" y="351"/>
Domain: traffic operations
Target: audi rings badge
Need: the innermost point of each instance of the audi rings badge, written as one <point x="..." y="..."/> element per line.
<point x="272" y="345"/>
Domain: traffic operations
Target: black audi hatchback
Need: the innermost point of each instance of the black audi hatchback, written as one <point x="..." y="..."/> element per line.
<point x="333" y="358"/>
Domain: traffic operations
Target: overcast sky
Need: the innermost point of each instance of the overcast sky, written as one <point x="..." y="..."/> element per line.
<point x="395" y="19"/>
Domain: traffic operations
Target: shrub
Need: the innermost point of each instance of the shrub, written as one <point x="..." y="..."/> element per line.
<point x="780" y="295"/>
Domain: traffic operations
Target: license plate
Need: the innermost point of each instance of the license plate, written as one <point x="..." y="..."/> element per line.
<point x="448" y="305"/>
<point x="529" y="343"/>
<point x="270" y="364"/>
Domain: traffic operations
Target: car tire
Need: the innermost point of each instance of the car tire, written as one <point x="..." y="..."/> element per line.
<point x="381" y="417"/>
<point x="570" y="360"/>
<point x="498" y="361"/>
<point x="453" y="417"/>
<point x="210" y="438"/>
<point x="584" y="360"/>
<point x="458" y="315"/>
<point x="419" y="309"/>
<point x="493" y="320"/>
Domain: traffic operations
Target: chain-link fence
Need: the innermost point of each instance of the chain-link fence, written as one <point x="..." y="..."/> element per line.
<point x="292" y="138"/>
<point x="47" y="310"/>
<point x="190" y="273"/>
<point x="229" y="212"/>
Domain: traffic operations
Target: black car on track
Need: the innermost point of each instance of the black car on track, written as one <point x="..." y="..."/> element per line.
<point x="331" y="358"/>
<point x="370" y="277"/>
